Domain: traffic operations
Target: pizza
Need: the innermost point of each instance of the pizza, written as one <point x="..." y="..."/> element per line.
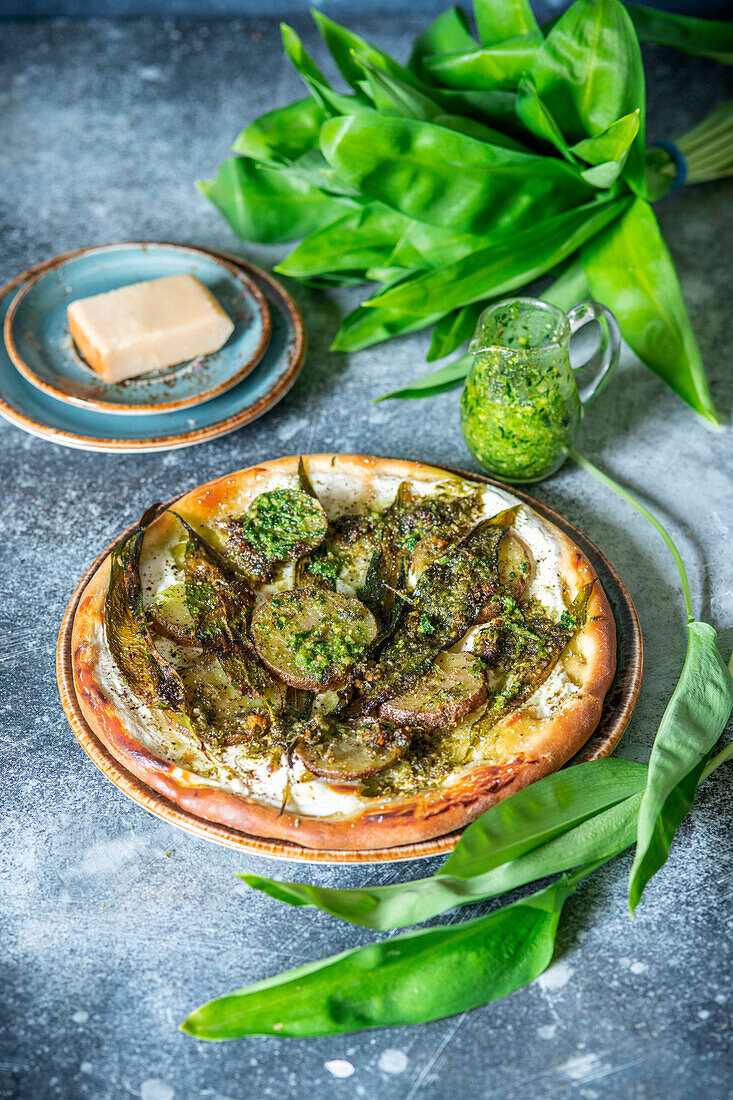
<point x="342" y="651"/>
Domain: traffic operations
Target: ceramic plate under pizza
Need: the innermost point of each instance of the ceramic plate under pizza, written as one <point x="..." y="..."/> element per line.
<point x="343" y="652"/>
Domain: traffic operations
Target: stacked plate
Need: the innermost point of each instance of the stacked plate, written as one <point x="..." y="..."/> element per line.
<point x="48" y="389"/>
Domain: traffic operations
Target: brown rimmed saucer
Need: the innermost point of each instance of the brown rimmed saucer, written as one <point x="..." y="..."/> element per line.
<point x="42" y="415"/>
<point x="38" y="340"/>
<point x="617" y="709"/>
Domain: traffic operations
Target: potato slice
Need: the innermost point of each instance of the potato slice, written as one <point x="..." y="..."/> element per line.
<point x="429" y="548"/>
<point x="453" y="687"/>
<point x="515" y="570"/>
<point x="309" y="637"/>
<point x="169" y="616"/>
<point x="280" y="525"/>
<point x="515" y="564"/>
<point x="347" y="751"/>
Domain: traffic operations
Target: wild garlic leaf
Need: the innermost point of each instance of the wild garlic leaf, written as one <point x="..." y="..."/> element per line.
<point x="419" y="976"/>
<point x="569" y="288"/>
<point x="349" y="49"/>
<point x="389" y="273"/>
<point x="334" y="278"/>
<point x="498" y="20"/>
<point x="579" y="815"/>
<point x="438" y="381"/>
<point x="407" y="979"/>
<point x="692" y="723"/>
<point x="358" y="241"/>
<point x="630" y="270"/>
<point x="494" y="67"/>
<point x="602" y="176"/>
<point x="330" y="101"/>
<point x="364" y="327"/>
<point x="725" y="754"/>
<point x="703" y="37"/>
<point x="393" y="96"/>
<point x="427" y="247"/>
<point x="494" y="106"/>
<point x="608" y="152"/>
<point x="585" y="88"/>
<point x="151" y="677"/>
<point x="542" y="811"/>
<point x="281" y="136"/>
<point x="448" y="179"/>
<point x="267" y="205"/>
<point x="589" y="73"/>
<point x="695" y="718"/>
<point x="448" y="33"/>
<point x="312" y="168"/>
<point x="538" y="119"/>
<point x="505" y="266"/>
<point x="597" y="839"/>
<point x="612" y="144"/>
<point x="390" y="95"/>
<point x="453" y="330"/>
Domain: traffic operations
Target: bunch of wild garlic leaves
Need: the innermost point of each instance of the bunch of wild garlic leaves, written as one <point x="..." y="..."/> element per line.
<point x="480" y="166"/>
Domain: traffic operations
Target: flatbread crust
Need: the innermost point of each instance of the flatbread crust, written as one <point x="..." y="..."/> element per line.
<point x="546" y="742"/>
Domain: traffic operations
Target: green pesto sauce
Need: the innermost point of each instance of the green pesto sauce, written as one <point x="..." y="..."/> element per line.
<point x="521" y="440"/>
<point x="444" y="513"/>
<point x="283" y="524"/>
<point x="520" y="408"/>
<point x="327" y="646"/>
<point x="524" y="644"/>
<point x="409" y="542"/>
<point x="327" y="565"/>
<point x="334" y="642"/>
<point x="428" y="760"/>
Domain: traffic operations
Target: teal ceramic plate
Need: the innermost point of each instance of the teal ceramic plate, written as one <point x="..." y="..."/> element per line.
<point x="36" y="412"/>
<point x="38" y="341"/>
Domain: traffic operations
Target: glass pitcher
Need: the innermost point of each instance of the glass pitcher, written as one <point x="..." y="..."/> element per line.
<point x="520" y="406"/>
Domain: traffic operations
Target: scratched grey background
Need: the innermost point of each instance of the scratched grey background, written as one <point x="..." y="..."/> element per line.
<point x="27" y="9"/>
<point x="115" y="925"/>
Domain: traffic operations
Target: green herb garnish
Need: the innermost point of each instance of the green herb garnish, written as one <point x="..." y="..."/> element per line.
<point x="426" y="627"/>
<point x="281" y="522"/>
<point x="280" y="525"/>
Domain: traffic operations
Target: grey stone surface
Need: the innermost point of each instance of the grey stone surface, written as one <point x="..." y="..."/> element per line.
<point x="114" y="925"/>
<point x="217" y="9"/>
<point x="338" y="9"/>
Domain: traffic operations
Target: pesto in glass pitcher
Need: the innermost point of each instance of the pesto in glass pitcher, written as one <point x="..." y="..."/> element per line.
<point x="520" y="407"/>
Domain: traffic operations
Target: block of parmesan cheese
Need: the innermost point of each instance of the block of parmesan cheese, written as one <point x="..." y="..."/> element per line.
<point x="147" y="326"/>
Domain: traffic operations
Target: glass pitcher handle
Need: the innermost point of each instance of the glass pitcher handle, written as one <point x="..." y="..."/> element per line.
<point x="604" y="359"/>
